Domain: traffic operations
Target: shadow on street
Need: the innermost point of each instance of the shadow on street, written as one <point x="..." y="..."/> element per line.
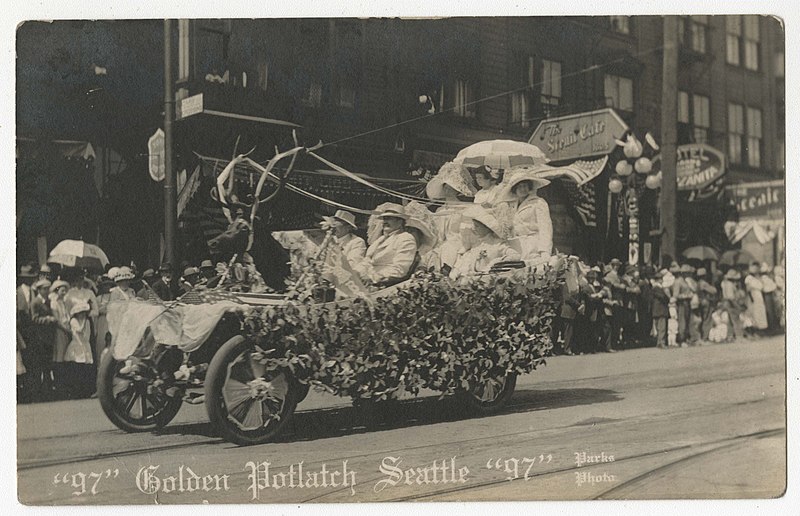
<point x="392" y="414"/>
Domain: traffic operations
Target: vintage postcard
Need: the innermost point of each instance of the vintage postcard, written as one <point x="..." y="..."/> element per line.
<point x="313" y="260"/>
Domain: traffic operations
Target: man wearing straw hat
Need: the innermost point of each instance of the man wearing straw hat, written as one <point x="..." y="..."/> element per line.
<point x="353" y="246"/>
<point x="390" y="257"/>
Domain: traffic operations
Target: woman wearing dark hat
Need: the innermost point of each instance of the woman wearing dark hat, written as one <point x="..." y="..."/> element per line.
<point x="63" y="333"/>
<point x="163" y="286"/>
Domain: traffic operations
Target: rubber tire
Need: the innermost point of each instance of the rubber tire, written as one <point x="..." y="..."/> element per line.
<point x="105" y="376"/>
<point x="490" y="408"/>
<point x="302" y="391"/>
<point x="215" y="404"/>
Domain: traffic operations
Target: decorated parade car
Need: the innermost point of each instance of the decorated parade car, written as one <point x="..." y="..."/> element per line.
<point x="251" y="356"/>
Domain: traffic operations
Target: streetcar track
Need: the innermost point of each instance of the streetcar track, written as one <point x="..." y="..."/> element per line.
<point x="760" y="434"/>
<point x="37" y="464"/>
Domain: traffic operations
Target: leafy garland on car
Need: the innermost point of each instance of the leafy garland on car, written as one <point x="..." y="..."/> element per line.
<point x="431" y="333"/>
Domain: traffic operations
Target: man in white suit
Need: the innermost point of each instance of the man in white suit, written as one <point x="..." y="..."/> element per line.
<point x="353" y="246"/>
<point x="391" y="256"/>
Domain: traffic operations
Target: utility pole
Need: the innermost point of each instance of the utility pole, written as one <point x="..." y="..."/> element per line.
<point x="170" y="187"/>
<point x="669" y="137"/>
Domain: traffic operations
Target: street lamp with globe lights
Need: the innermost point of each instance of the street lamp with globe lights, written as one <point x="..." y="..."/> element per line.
<point x="631" y="183"/>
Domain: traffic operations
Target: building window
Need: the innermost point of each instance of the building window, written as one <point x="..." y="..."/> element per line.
<point x="551" y="86"/>
<point x="694" y="118"/>
<point x="520" y="112"/>
<point x="751" y="42"/>
<point x="733" y="34"/>
<point x="618" y="92"/>
<point x="463" y="99"/>
<point x="312" y="96"/>
<point x="701" y="118"/>
<point x="620" y="24"/>
<point x="693" y="31"/>
<point x="754" y="137"/>
<point x="735" y="132"/>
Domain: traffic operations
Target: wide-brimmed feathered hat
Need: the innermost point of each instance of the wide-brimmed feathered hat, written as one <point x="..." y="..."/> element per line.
<point x="487" y="218"/>
<point x="454" y="175"/>
<point x="421" y="218"/>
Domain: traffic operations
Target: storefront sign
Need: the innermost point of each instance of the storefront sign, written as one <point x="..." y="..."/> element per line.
<point x="579" y="136"/>
<point x="698" y="166"/>
<point x="763" y="200"/>
<point x="191" y="106"/>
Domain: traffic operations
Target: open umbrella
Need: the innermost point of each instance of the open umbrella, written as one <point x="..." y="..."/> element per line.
<point x="736" y="257"/>
<point x="701" y="252"/>
<point x="76" y="253"/>
<point x="500" y="154"/>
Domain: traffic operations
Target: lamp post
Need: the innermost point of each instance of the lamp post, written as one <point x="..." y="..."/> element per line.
<point x="170" y="188"/>
<point x="632" y="183"/>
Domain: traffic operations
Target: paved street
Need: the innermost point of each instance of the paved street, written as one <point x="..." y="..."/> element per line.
<point x="702" y="422"/>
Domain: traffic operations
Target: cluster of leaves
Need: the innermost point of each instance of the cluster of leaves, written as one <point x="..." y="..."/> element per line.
<point x="431" y="333"/>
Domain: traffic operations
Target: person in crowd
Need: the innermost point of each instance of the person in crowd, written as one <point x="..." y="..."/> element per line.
<point x="490" y="246"/>
<point x="660" y="308"/>
<point x="532" y="225"/>
<point x="733" y="302"/>
<point x="389" y="259"/>
<point x="105" y="285"/>
<point x="190" y="280"/>
<point x="148" y="279"/>
<point x="40" y="344"/>
<point x="630" y="309"/>
<point x="452" y="181"/>
<point x="673" y="324"/>
<point x="769" y="289"/>
<point x="779" y="276"/>
<point x="564" y="324"/>
<point x="353" y="247"/>
<point x="80" y="292"/>
<point x="756" y="310"/>
<point x="45" y="272"/>
<point x="487" y="180"/>
<point x="645" y="328"/>
<point x="163" y="286"/>
<point x="78" y="360"/>
<point x="615" y="305"/>
<point x="25" y="279"/>
<point x="589" y="320"/>
<point x="682" y="293"/>
<point x="720" y="325"/>
<point x="709" y="299"/>
<point x="610" y="317"/>
<point x="63" y="332"/>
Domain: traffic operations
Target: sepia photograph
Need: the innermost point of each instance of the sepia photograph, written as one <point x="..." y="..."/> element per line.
<point x="334" y="259"/>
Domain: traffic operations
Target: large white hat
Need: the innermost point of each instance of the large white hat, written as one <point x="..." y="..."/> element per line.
<point x="454" y="175"/>
<point x="421" y="218"/>
<point x="487" y="218"/>
<point x="530" y="173"/>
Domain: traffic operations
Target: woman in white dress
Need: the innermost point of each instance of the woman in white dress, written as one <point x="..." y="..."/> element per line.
<point x="487" y="180"/>
<point x="755" y="298"/>
<point x="452" y="181"/>
<point x="531" y="220"/>
<point x="490" y="248"/>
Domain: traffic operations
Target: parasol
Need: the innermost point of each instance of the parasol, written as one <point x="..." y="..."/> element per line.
<point x="500" y="154"/>
<point x="701" y="252"/>
<point x="76" y="253"/>
<point x="736" y="257"/>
